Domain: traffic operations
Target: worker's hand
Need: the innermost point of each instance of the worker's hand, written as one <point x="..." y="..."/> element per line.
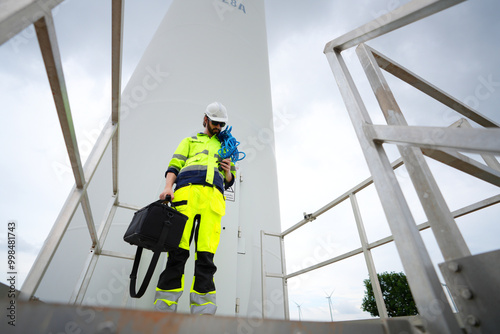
<point x="167" y="192"/>
<point x="226" y="166"/>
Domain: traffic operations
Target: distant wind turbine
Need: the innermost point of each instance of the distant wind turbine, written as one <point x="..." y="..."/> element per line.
<point x="300" y="312"/>
<point x="329" y="297"/>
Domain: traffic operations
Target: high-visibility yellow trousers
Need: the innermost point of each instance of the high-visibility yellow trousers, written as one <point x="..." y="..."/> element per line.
<point x="204" y="207"/>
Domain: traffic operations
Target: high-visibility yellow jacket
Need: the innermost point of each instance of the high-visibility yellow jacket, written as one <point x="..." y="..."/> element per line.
<point x="196" y="161"/>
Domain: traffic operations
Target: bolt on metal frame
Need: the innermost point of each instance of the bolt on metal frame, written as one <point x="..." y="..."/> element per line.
<point x="413" y="143"/>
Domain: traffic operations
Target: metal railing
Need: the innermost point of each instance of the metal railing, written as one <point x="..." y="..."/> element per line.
<point x="15" y="17"/>
<point x="366" y="247"/>
<point x="439" y="143"/>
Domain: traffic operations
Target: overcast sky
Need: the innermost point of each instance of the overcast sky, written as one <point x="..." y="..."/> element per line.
<point x="317" y="152"/>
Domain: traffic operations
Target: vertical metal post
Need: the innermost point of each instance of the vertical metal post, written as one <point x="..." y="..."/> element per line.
<point x="99" y="238"/>
<point x="263" y="274"/>
<point x="89" y="218"/>
<point x="377" y="291"/>
<point x="116" y="63"/>
<point x="284" y="279"/>
<point x="418" y="266"/>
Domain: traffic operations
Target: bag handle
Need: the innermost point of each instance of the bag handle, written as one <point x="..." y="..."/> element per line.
<point x="171" y="204"/>
<point x="168" y="198"/>
<point x="152" y="265"/>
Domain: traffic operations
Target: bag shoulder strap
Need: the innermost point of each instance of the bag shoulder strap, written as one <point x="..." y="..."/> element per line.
<point x="152" y="265"/>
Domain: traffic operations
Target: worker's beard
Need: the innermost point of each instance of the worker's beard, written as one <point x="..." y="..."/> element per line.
<point x="212" y="130"/>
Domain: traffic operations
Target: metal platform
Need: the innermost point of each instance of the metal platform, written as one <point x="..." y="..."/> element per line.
<point x="56" y="318"/>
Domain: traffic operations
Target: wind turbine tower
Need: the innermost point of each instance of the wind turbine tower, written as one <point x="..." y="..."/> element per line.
<point x="203" y="51"/>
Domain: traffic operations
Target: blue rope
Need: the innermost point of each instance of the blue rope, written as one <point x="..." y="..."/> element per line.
<point x="229" y="146"/>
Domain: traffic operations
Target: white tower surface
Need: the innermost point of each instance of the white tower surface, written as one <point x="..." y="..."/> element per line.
<point x="203" y="51"/>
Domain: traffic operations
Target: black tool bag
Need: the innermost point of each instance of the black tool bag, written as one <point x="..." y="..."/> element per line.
<point x="156" y="227"/>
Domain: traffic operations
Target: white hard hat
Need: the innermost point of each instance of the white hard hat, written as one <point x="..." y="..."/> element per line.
<point x="216" y="112"/>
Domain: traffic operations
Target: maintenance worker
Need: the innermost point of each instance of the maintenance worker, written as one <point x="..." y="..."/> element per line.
<point x="201" y="176"/>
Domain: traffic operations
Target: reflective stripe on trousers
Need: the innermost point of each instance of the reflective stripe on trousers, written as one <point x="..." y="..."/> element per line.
<point x="166" y="300"/>
<point x="203" y="303"/>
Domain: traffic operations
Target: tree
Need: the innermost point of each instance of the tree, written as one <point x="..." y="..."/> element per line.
<point x="396" y="293"/>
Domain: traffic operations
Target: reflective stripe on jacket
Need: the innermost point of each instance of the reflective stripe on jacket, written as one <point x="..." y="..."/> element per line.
<point x="196" y="161"/>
